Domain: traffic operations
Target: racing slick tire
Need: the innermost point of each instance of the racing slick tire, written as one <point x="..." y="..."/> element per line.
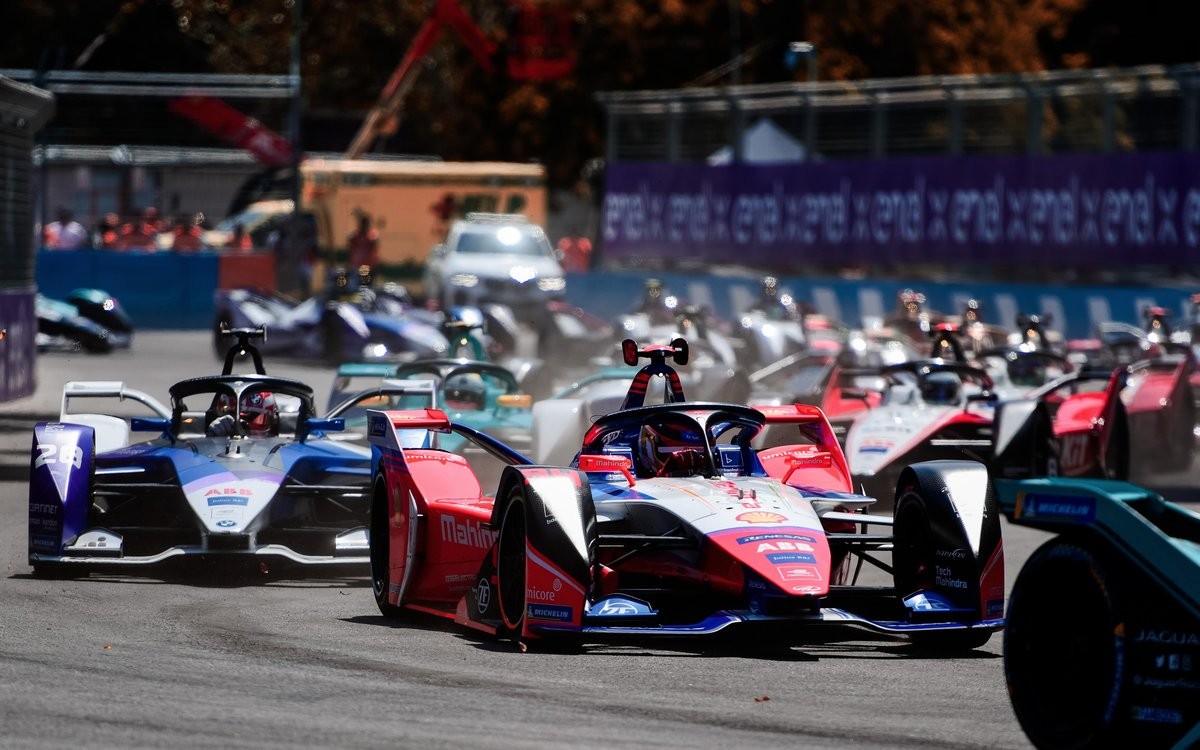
<point x="510" y="563"/>
<point x="381" y="552"/>
<point x="1064" y="647"/>
<point x="914" y="567"/>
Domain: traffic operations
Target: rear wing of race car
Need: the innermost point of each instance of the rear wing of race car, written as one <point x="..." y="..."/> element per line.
<point x="385" y="428"/>
<point x="817" y="458"/>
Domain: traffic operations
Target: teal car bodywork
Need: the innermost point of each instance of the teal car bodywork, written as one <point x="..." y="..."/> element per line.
<point x="481" y="395"/>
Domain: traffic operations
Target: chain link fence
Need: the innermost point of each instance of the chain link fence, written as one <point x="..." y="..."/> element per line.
<point x="1149" y="108"/>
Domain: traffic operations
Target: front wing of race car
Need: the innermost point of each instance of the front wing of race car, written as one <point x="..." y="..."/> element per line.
<point x="149" y="519"/>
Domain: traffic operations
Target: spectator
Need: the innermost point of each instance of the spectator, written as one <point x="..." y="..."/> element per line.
<point x="187" y="234"/>
<point x="576" y="251"/>
<point x="239" y="240"/>
<point x="140" y="235"/>
<point x="107" y="231"/>
<point x="363" y="246"/>
<point x="65" y="233"/>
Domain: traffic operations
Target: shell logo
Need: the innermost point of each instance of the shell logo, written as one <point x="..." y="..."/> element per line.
<point x="761" y="516"/>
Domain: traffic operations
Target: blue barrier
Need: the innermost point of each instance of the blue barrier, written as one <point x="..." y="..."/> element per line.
<point x="1075" y="310"/>
<point x="169" y="291"/>
<point x="158" y="290"/>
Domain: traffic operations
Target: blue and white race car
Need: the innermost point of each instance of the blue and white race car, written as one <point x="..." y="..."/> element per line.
<point x="241" y="466"/>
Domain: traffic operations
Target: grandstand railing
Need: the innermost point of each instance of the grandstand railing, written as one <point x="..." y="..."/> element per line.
<point x="1078" y="111"/>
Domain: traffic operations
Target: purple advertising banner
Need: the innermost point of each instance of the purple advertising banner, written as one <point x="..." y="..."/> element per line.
<point x="1051" y="211"/>
<point x="17" y="347"/>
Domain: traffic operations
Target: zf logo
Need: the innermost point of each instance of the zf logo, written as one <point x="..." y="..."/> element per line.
<point x="48" y="453"/>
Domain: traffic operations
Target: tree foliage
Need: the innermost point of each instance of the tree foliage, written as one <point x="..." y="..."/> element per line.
<point x="458" y="111"/>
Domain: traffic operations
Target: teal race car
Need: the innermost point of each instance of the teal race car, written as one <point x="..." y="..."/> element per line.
<point x="1102" y="643"/>
<point x="481" y="395"/>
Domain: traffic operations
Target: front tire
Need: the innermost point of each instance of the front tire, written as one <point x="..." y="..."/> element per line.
<point x="1064" y="647"/>
<point x="510" y="564"/>
<point x="914" y="567"/>
<point x="381" y="553"/>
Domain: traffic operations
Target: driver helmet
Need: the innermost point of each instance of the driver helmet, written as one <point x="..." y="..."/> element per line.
<point x="972" y="313"/>
<point x="669" y="448"/>
<point x="941" y="388"/>
<point x="912" y="303"/>
<point x="465" y="394"/>
<point x="770" y="288"/>
<point x="260" y="413"/>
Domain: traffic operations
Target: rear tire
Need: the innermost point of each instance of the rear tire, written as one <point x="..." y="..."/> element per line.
<point x="510" y="564"/>
<point x="1063" y="648"/>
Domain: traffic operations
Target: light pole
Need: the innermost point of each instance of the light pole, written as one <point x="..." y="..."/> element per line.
<point x="808" y="50"/>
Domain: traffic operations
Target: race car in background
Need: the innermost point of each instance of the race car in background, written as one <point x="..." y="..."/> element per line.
<point x="838" y="373"/>
<point x="483" y="395"/>
<point x="1160" y="395"/>
<point x="670" y="523"/>
<point x="949" y="408"/>
<point x="241" y="468"/>
<point x="373" y="324"/>
<point x="90" y="320"/>
<point x="1101" y="646"/>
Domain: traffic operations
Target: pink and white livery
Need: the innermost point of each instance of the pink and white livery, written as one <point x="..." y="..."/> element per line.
<point x="669" y="522"/>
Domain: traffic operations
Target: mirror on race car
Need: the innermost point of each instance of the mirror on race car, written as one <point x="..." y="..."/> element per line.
<point x="681" y="351"/>
<point x="629" y="351"/>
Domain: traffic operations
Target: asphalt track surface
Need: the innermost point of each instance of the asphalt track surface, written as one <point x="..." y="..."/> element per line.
<point x="212" y="660"/>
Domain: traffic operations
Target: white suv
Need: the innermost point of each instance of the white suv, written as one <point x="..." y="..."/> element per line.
<point x="495" y="258"/>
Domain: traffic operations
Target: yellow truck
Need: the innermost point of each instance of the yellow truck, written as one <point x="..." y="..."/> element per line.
<point x="411" y="204"/>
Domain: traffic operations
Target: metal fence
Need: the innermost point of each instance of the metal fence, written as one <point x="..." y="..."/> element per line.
<point x="1086" y="111"/>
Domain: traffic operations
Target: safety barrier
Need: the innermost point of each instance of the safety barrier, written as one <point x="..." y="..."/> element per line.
<point x="157" y="290"/>
<point x="169" y="291"/>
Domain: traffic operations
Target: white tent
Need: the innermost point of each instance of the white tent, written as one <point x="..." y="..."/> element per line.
<point x="764" y="141"/>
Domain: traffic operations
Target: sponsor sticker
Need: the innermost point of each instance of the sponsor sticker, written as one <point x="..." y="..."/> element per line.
<point x="758" y="538"/>
<point x="1067" y="508"/>
<point x="227" y="500"/>
<point x="794" y="574"/>
<point x="783" y="558"/>
<point x="1156" y="715"/>
<point x="550" y="612"/>
<point x="484" y="597"/>
<point x="760" y="516"/>
<point x="377" y="427"/>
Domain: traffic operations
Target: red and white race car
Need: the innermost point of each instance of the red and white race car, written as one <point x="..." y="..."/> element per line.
<point x="669" y="522"/>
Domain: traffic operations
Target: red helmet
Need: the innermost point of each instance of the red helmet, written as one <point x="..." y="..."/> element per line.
<point x="671" y="449"/>
<point x="260" y="413"/>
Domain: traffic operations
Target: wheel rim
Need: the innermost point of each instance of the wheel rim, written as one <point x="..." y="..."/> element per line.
<point x="510" y="565"/>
